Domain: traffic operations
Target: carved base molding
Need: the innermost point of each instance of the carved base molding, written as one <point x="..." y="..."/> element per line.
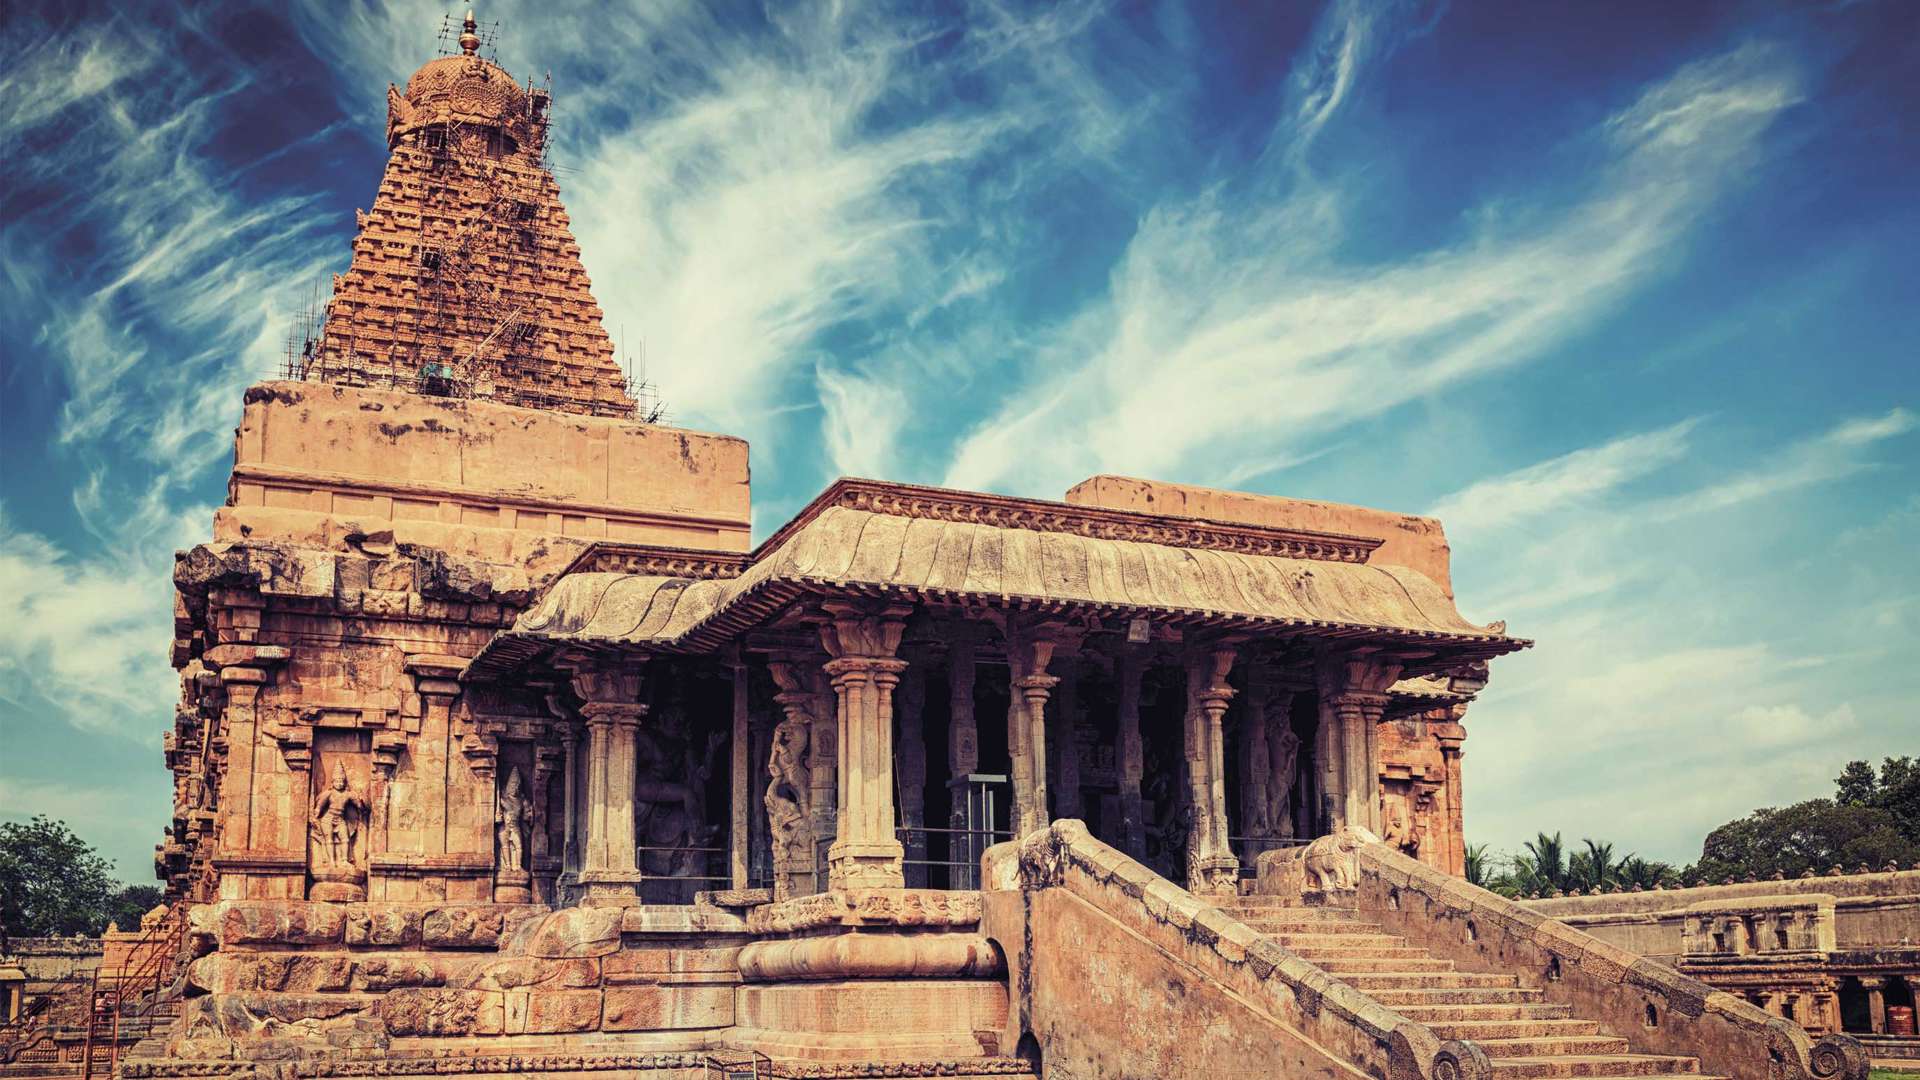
<point x="663" y="1066"/>
<point x="934" y="908"/>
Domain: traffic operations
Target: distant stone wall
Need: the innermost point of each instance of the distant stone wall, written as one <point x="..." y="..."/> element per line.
<point x="1866" y="911"/>
<point x="50" y="959"/>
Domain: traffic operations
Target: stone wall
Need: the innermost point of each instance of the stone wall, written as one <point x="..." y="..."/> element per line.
<point x="524" y="487"/>
<point x="1856" y="911"/>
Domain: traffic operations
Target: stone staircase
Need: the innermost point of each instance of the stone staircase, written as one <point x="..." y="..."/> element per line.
<point x="1523" y="1034"/>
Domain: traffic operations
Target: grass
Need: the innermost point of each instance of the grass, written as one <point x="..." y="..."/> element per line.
<point x="1891" y="1074"/>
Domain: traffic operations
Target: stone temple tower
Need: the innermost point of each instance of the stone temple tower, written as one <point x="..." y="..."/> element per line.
<point x="466" y="280"/>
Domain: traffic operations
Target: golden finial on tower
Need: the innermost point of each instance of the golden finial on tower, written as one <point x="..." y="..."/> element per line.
<point x="469" y="38"/>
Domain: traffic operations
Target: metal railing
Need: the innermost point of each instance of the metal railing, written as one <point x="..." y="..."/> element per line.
<point x="141" y="978"/>
<point x="964" y="848"/>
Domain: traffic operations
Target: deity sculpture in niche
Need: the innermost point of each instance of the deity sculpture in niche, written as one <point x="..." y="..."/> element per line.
<point x="786" y="801"/>
<point x="1283" y="751"/>
<point x="1396" y="824"/>
<point x="335" y="822"/>
<point x="668" y="793"/>
<point x="510" y="822"/>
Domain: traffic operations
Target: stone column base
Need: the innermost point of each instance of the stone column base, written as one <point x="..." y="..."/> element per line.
<point x="877" y="865"/>
<point x="609" y="888"/>
<point x="513" y="887"/>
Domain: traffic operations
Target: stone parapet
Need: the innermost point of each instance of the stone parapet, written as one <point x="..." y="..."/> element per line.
<point x="1119" y="933"/>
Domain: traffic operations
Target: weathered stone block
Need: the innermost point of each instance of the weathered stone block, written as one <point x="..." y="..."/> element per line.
<point x="515" y="972"/>
<point x="553" y="1011"/>
<point x="443" y="1012"/>
<point x="462" y="928"/>
<point x="667" y="1008"/>
<point x="670" y="965"/>
<point x="383" y="926"/>
<point x="281" y="922"/>
<point x="569" y="933"/>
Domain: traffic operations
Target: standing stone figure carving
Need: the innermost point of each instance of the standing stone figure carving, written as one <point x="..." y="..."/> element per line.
<point x="1396" y="824"/>
<point x="510" y="822"/>
<point x="786" y="798"/>
<point x="1283" y="751"/>
<point x="337" y="813"/>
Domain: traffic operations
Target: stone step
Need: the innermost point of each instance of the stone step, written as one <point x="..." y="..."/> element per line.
<point x="1333" y="940"/>
<point x="1282" y="925"/>
<point x="1371" y="952"/>
<point x="1593" y="1065"/>
<point x="1554" y="1046"/>
<point x="1457" y="995"/>
<point x="1523" y="1028"/>
<point x="1430" y="980"/>
<point x="1354" y="965"/>
<point x="1468" y="1014"/>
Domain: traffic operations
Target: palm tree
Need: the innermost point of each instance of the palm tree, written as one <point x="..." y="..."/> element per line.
<point x="1477" y="865"/>
<point x="1635" y="870"/>
<point x="1594" y="869"/>
<point x="1543" y="869"/>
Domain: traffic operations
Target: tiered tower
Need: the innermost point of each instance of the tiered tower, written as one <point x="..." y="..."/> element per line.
<point x="466" y="280"/>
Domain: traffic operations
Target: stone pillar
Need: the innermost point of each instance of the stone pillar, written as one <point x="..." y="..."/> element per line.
<point x="823" y="769"/>
<point x="865" y="853"/>
<point x="1028" y="655"/>
<point x="1353" y="695"/>
<point x="910" y="763"/>
<point x="549" y="760"/>
<point x="1066" y="742"/>
<point x="612" y="710"/>
<point x="1211" y="865"/>
<point x="1451" y="738"/>
<point x="569" y="797"/>
<point x="1128" y="667"/>
<point x="1876" y="988"/>
<point x="1256" y="758"/>
<point x="263" y="850"/>
<point x="740" y="821"/>
<point x="963" y="732"/>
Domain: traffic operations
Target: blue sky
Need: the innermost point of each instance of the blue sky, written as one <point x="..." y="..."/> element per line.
<point x="1625" y="292"/>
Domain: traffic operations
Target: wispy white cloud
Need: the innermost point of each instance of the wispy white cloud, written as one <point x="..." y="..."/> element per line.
<point x="1550" y="486"/>
<point x="87" y="636"/>
<point x="1681" y="628"/>
<point x="1232" y="319"/>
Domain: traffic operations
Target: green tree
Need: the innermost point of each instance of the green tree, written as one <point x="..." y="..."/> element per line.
<point x="51" y="881"/>
<point x="1809" y="837"/>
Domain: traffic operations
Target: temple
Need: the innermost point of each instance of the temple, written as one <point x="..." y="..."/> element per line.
<point x="502" y="749"/>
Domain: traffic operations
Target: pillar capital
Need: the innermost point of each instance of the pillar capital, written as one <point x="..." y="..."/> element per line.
<point x="609" y="683"/>
<point x="610" y="713"/>
<point x="862" y="630"/>
<point x="879" y="670"/>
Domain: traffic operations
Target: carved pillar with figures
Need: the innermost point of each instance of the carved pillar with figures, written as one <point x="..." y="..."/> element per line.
<point x="1211" y="864"/>
<point x="1129" y="667"/>
<point x="790" y="791"/>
